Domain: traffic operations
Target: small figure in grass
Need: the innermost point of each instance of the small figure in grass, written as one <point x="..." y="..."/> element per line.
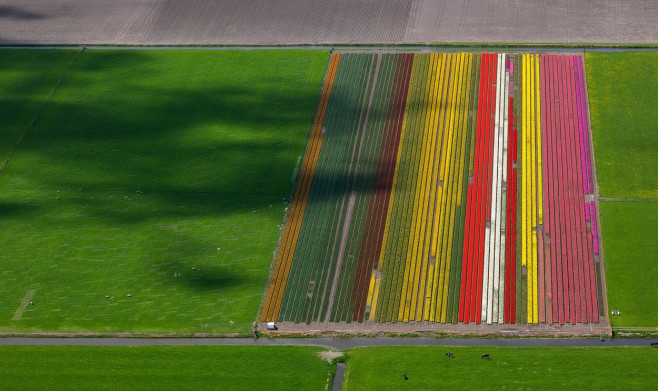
<point x="404" y="376"/>
<point x="486" y="355"/>
<point x="654" y="344"/>
<point x="449" y="355"/>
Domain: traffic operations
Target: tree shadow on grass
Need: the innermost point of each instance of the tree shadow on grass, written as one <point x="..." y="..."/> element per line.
<point x="109" y="128"/>
<point x="145" y="138"/>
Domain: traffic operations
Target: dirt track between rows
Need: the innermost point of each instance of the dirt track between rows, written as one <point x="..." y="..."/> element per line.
<point x="272" y="22"/>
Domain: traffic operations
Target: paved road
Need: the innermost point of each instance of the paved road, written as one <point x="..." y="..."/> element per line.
<point x="325" y="21"/>
<point x="331" y="343"/>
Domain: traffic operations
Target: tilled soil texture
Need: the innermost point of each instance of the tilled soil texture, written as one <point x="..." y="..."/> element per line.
<point x="408" y="216"/>
<point x="224" y="22"/>
<point x="203" y="21"/>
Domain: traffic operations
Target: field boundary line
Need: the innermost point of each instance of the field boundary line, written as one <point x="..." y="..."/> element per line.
<point x="41" y="108"/>
<point x="599" y="280"/>
<point x="629" y="199"/>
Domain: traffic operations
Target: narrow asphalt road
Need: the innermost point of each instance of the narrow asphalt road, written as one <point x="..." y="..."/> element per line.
<point x="330" y="343"/>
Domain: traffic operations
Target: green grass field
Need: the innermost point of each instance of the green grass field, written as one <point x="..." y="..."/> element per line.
<point x="155" y="174"/>
<point x="27" y="77"/>
<point x="631" y="257"/>
<point x="624" y="106"/>
<point x="427" y="368"/>
<point x="163" y="368"/>
<point x="301" y="368"/>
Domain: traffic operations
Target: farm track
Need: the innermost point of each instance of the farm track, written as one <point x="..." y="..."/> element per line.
<point x="410" y="215"/>
<point x="315" y="21"/>
<point x="330" y="343"/>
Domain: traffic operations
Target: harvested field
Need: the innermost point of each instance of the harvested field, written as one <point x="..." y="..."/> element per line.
<point x="448" y="188"/>
<point x="224" y="22"/>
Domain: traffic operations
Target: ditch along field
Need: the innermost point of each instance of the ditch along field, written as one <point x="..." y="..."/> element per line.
<point x="142" y="190"/>
<point x="444" y="189"/>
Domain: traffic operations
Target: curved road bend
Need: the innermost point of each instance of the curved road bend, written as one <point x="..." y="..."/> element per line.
<point x="330" y="343"/>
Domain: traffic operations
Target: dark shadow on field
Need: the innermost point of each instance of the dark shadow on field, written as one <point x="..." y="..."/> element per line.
<point x="128" y="140"/>
<point x="143" y="142"/>
<point x="10" y="12"/>
<point x="207" y="277"/>
<point x="148" y="150"/>
<point x="8" y="209"/>
<point x="336" y="177"/>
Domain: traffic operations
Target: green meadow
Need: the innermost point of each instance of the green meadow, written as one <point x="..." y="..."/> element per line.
<point x="631" y="257"/>
<point x="27" y="78"/>
<point x="427" y="368"/>
<point x="623" y="106"/>
<point x="163" y="368"/>
<point x="146" y="195"/>
<point x="302" y="368"/>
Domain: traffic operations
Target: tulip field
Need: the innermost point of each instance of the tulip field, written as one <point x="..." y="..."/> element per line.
<point x="444" y="188"/>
